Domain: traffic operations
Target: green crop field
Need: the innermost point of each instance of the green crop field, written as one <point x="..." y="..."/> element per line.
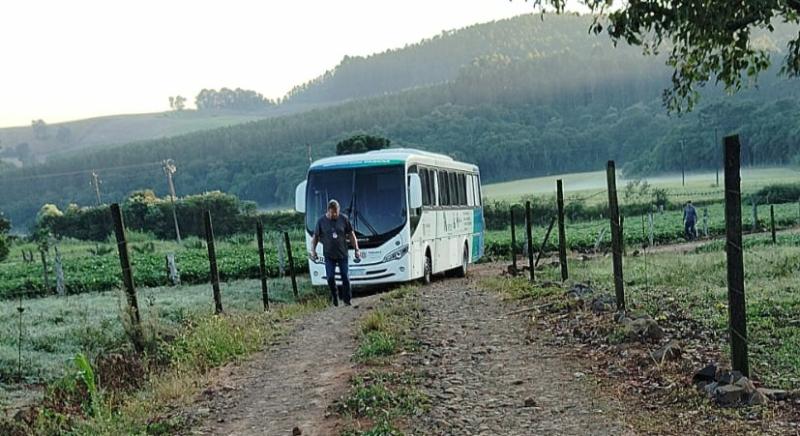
<point x="581" y="184"/>
<point x="86" y="271"/>
<point x="667" y="228"/>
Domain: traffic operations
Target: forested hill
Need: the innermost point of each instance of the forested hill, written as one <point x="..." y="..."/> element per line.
<point x="534" y="102"/>
<point x="442" y="58"/>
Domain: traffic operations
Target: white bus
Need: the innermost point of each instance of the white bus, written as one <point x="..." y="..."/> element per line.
<point x="414" y="213"/>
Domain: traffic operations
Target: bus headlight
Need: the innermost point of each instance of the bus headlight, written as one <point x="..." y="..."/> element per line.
<point x="396" y="254"/>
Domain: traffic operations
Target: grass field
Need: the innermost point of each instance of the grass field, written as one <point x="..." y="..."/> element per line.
<point x="695" y="285"/>
<point x="579" y="184"/>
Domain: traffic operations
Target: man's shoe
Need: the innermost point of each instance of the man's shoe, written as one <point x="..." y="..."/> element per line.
<point x="335" y="301"/>
<point x="347" y="303"/>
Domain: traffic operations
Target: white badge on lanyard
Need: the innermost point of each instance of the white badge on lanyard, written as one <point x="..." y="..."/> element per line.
<point x="334" y="235"/>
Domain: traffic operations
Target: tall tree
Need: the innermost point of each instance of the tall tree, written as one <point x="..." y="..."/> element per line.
<point x="709" y="40"/>
<point x="361" y="144"/>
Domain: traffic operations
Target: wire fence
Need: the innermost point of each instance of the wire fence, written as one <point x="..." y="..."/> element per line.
<point x="58" y="298"/>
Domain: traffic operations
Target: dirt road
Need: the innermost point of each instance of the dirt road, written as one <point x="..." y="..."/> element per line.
<point x="486" y="374"/>
<point x="289" y="385"/>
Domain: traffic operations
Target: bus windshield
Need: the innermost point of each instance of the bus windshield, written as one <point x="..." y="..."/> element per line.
<point x="373" y="198"/>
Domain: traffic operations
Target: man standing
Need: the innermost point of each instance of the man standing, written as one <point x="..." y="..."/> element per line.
<point x="333" y="230"/>
<point x="689" y="220"/>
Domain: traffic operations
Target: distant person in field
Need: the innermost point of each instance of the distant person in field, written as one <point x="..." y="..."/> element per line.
<point x="689" y="221"/>
<point x="333" y="230"/>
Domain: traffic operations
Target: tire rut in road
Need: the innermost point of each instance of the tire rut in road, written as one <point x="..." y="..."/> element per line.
<point x="290" y="384"/>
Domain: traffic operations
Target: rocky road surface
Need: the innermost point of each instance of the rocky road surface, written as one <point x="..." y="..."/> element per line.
<point x="488" y="376"/>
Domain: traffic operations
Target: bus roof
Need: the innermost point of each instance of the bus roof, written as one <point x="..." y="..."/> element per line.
<point x="387" y="156"/>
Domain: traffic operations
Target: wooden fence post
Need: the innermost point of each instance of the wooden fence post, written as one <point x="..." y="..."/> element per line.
<point x="733" y="228"/>
<point x="616" y="234"/>
<point x="652" y="232"/>
<point x="755" y="214"/>
<point x="291" y="265"/>
<point x="513" y="241"/>
<point x="262" y="264"/>
<point x="705" y="221"/>
<point x="212" y="263"/>
<point x="562" y="233"/>
<point x="44" y="270"/>
<point x="529" y="236"/>
<point x="127" y="276"/>
<point x="772" y="223"/>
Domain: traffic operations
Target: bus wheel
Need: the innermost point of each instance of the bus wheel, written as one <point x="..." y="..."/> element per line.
<point x="428" y="274"/>
<point x="462" y="270"/>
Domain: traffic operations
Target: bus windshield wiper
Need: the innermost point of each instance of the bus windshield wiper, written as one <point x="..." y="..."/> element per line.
<point x="357" y="215"/>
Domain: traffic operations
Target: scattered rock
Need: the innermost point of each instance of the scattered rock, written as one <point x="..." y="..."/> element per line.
<point x="530" y="402"/>
<point x="728" y="394"/>
<point x="603" y="303"/>
<point x="669" y="352"/>
<point x="774" y="394"/>
<point x="579" y="290"/>
<point x="746" y="384"/>
<point x="757" y="398"/>
<point x="642" y="328"/>
<point x="296" y="431"/>
<point x="707" y="375"/>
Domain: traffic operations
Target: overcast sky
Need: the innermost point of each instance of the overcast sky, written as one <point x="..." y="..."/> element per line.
<point x="73" y="59"/>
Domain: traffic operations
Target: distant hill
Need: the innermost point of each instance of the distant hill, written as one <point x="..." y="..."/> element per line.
<point x="520" y="97"/>
<point x="64" y="138"/>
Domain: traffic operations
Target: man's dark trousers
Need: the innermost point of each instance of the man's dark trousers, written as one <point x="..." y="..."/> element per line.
<point x="330" y="273"/>
<point x="689" y="230"/>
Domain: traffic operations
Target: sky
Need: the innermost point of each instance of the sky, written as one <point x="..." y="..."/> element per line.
<point x="65" y="60"/>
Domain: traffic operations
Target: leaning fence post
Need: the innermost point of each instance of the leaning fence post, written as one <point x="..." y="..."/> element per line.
<point x="562" y="233"/>
<point x="513" y="241"/>
<point x="529" y="237"/>
<point x="652" y="230"/>
<point x="262" y="265"/>
<point x="755" y="214"/>
<point x="543" y="247"/>
<point x="616" y="234"/>
<point x="705" y="221"/>
<point x="772" y="223"/>
<point x="291" y="264"/>
<point x="733" y="229"/>
<point x="127" y="275"/>
<point x="212" y="262"/>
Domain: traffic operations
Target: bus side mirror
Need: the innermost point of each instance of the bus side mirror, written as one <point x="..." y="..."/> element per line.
<point x="300" y="198"/>
<point x="414" y="191"/>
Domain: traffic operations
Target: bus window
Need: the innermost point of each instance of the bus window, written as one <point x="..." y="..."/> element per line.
<point x="423" y="178"/>
<point x="443" y="189"/>
<point x="453" y="189"/>
<point x="470" y="191"/>
<point x="479" y="201"/>
<point x="462" y="189"/>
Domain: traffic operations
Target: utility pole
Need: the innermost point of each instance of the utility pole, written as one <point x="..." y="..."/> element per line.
<point x="308" y="151"/>
<point x="96" y="184"/>
<point x="169" y="170"/>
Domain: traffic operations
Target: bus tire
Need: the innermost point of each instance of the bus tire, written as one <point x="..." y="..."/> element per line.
<point x="462" y="270"/>
<point x="427" y="274"/>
